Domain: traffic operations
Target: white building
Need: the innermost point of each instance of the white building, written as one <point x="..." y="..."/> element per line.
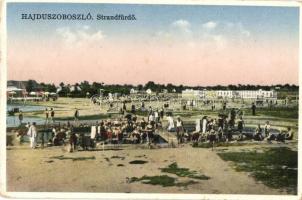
<point x="257" y="94"/>
<point x="133" y="91"/>
<point x="228" y="94"/>
<point x="193" y="94"/>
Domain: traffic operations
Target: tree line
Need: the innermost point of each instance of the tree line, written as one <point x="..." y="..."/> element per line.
<point x="83" y="88"/>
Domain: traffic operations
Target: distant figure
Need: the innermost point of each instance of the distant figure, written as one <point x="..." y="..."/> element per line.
<point x="76" y="115"/>
<point x="224" y="106"/>
<point x="179" y="130"/>
<point x="204" y="124"/>
<point x="52" y="115"/>
<point x="170" y="123"/>
<point x="133" y="109"/>
<point x="197" y="126"/>
<point x="156" y="116"/>
<point x="124" y="107"/>
<point x="253" y="109"/>
<point x="93" y="134"/>
<point x="143" y="106"/>
<point x="150" y="110"/>
<point x="20" y="117"/>
<point x="258" y="133"/>
<point x="32" y="133"/>
<point x="161" y="113"/>
<point x="267" y="128"/>
<point x="73" y="141"/>
<point x="46" y="116"/>
<point x="240" y="125"/>
<point x="289" y="135"/>
<point x="233" y="116"/>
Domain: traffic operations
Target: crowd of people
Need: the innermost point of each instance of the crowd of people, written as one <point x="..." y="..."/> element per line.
<point x="112" y="131"/>
<point x="225" y="128"/>
<point x="228" y="126"/>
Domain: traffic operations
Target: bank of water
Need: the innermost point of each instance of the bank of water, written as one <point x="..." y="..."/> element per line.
<point x="13" y="120"/>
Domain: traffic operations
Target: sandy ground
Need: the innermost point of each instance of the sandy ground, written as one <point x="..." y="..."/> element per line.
<point x="35" y="170"/>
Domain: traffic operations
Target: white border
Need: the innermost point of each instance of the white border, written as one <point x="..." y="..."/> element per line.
<point x="3" y="82"/>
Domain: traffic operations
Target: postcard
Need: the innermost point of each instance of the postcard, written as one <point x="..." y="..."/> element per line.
<point x="150" y="100"/>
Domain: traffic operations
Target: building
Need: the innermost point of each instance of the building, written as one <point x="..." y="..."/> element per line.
<point x="229" y="94"/>
<point x="193" y="94"/>
<point x="12" y="91"/>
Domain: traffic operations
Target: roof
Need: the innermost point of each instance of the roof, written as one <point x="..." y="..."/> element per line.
<point x="13" y="88"/>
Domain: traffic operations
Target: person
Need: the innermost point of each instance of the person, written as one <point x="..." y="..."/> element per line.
<point x="240" y="125"/>
<point x="143" y="106"/>
<point x="229" y="133"/>
<point x="46" y="116"/>
<point x="220" y="121"/>
<point x="253" y="109"/>
<point x="204" y="124"/>
<point x="281" y="136"/>
<point x="156" y="116"/>
<point x="258" y="133"/>
<point x="267" y="128"/>
<point x="52" y="114"/>
<point x="20" y="117"/>
<point x="161" y="113"/>
<point x="220" y="134"/>
<point x="239" y="113"/>
<point x="32" y="133"/>
<point x="233" y="117"/>
<point x="151" y="118"/>
<point x="143" y="123"/>
<point x="93" y="134"/>
<point x="73" y="141"/>
<point x="212" y="137"/>
<point x="133" y="109"/>
<point x="150" y="110"/>
<point x="224" y="106"/>
<point x="197" y="126"/>
<point x="289" y="135"/>
<point x="76" y="115"/>
<point x="179" y="129"/>
<point x="171" y="123"/>
<point x="124" y="106"/>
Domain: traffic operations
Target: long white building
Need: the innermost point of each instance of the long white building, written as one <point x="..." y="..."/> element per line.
<point x="228" y="94"/>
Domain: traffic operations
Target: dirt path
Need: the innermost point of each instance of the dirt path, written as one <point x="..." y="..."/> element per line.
<point x="35" y="170"/>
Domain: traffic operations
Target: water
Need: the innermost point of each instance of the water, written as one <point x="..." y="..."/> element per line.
<point x="25" y="108"/>
<point x="13" y="121"/>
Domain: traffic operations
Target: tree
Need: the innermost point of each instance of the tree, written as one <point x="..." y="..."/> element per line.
<point x="30" y="85"/>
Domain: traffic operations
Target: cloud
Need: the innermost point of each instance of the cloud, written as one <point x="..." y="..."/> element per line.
<point x="209" y="25"/>
<point x="80" y="36"/>
<point x="218" y="35"/>
<point x="224" y="33"/>
<point x="182" y="25"/>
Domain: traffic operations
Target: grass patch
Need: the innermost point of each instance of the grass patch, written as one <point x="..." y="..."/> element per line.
<point x="73" y="158"/>
<point x="120" y="165"/>
<point x="275" y="167"/>
<point x="163" y="180"/>
<point x="118" y="157"/>
<point x="281" y="112"/>
<point x="183" y="172"/>
<point x="139" y="162"/>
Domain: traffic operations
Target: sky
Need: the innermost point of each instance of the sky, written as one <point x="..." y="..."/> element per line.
<point x="179" y="44"/>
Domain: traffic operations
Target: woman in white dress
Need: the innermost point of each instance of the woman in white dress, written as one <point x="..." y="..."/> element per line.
<point x="32" y="133"/>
